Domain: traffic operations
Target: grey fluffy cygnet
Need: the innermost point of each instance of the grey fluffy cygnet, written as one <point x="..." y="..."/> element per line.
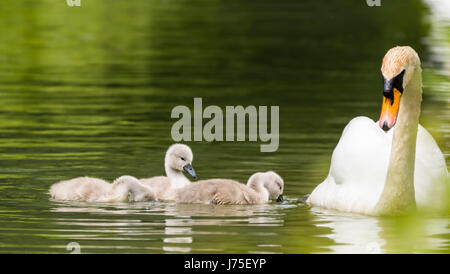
<point x="178" y="159"/>
<point x="260" y="188"/>
<point x="123" y="189"/>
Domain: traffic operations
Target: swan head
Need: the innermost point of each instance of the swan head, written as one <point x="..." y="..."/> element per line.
<point x="271" y="181"/>
<point x="398" y="68"/>
<point x="179" y="157"/>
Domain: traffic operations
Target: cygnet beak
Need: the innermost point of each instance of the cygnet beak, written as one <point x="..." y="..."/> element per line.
<point x="280" y="199"/>
<point x="190" y="170"/>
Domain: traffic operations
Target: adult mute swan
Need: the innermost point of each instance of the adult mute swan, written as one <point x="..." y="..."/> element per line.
<point x="375" y="172"/>
<point x="178" y="158"/>
<point x="123" y="189"/>
<point x="260" y="187"/>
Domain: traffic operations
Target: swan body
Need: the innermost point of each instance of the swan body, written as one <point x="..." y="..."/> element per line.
<point x="356" y="180"/>
<point x="178" y="158"/>
<point x="259" y="189"/>
<point x="123" y="189"/>
<point x="376" y="172"/>
<point x="161" y="187"/>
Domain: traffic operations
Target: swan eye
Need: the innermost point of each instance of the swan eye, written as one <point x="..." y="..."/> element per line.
<point x="182" y="158"/>
<point x="396" y="82"/>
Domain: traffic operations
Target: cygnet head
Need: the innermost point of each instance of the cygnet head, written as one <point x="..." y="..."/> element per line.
<point x="179" y="157"/>
<point x="399" y="67"/>
<point x="271" y="181"/>
<point x="137" y="191"/>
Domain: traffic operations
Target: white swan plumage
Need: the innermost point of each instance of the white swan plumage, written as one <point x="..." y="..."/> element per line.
<point x="376" y="172"/>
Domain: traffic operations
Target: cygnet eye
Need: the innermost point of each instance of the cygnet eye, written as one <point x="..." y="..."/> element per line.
<point x="182" y="158"/>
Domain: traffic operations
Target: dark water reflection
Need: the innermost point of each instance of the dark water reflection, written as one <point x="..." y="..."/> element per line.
<point x="89" y="91"/>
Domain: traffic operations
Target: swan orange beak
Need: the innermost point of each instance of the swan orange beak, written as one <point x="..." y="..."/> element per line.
<point x="389" y="110"/>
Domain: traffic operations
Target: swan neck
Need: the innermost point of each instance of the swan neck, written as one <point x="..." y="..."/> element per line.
<point x="120" y="191"/>
<point x="258" y="187"/>
<point x="398" y="194"/>
<point x="135" y="187"/>
<point x="176" y="177"/>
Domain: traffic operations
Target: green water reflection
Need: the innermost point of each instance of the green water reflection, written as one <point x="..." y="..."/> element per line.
<point x="89" y="91"/>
